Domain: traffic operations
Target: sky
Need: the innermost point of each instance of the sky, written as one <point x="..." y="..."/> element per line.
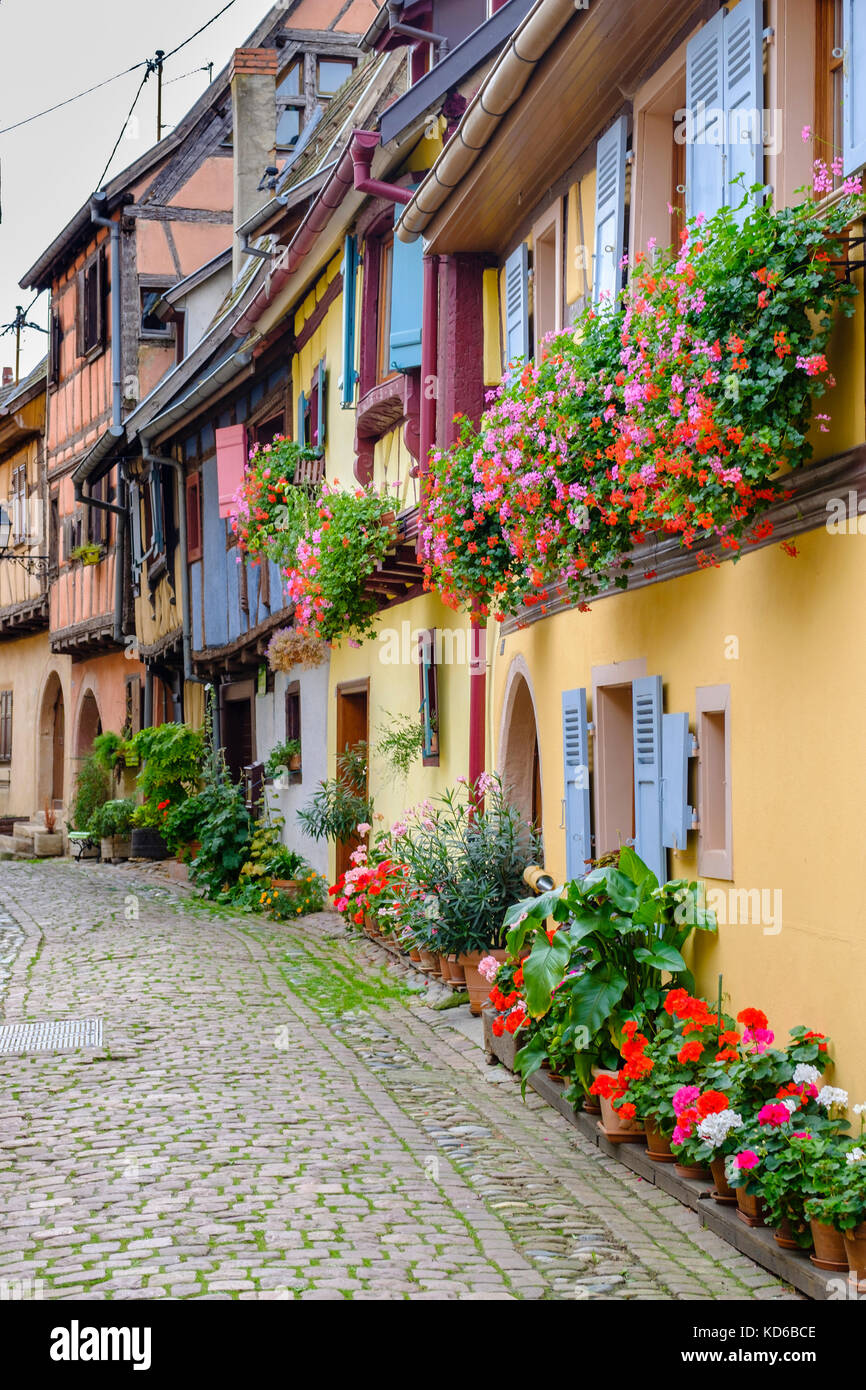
<point x="49" y="167"/>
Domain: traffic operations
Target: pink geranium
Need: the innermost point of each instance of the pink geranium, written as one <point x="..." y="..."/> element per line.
<point x="685" y="1098"/>
<point x="774" y="1113"/>
<point x="746" y="1160"/>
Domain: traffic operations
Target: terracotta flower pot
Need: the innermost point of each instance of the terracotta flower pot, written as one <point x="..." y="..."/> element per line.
<point x="724" y="1192"/>
<point x="614" y="1126"/>
<point x="456" y="972"/>
<point x="785" y="1236"/>
<point x="295" y="762"/>
<point x="696" y="1171"/>
<point x="415" y="955"/>
<point x="658" y="1145"/>
<point x="855" y="1248"/>
<point x="750" y="1208"/>
<point x="428" y="960"/>
<point x="590" y="1104"/>
<point x="478" y="987"/>
<point x="829" y="1252"/>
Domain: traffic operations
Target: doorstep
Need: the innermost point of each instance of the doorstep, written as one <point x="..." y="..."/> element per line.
<point x="755" y="1241"/>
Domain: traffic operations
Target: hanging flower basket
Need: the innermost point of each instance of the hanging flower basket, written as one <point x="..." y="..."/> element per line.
<point x="290" y="647"/>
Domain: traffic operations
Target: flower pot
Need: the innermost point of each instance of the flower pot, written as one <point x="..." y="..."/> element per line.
<point x="785" y="1237"/>
<point x="829" y="1252"/>
<point x="750" y="1208"/>
<point x="696" y="1171"/>
<point x="614" y="1126"/>
<point x="415" y="955"/>
<point x="658" y="1145"/>
<point x="442" y="968"/>
<point x="285" y="885"/>
<point x="590" y="1104"/>
<point x="115" y="847"/>
<point x="855" y="1249"/>
<point x="428" y="960"/>
<point x="295" y="762"/>
<point x="456" y="972"/>
<point x="724" y="1192"/>
<point x="147" y="843"/>
<point x="478" y="987"/>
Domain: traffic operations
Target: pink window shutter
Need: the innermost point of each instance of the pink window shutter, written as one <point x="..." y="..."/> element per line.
<point x="231" y="452"/>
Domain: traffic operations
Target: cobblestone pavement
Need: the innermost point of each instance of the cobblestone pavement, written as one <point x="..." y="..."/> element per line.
<point x="274" y="1114"/>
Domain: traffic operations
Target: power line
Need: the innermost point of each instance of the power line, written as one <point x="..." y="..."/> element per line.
<point x="211" y="21"/>
<point x="150" y="68"/>
<point x="68" y="100"/>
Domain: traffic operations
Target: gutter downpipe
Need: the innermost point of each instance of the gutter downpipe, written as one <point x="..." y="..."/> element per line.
<point x="188" y="674"/>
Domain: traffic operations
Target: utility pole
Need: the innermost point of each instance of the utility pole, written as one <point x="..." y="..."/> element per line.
<point x="160" y="54"/>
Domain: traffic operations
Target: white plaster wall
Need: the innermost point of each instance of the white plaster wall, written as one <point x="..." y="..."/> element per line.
<point x="271" y="730"/>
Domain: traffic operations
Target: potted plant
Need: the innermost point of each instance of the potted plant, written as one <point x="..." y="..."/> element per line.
<point x="88" y="554"/>
<point x="173" y="757"/>
<point x="286" y="756"/>
<point x="111" y="823"/>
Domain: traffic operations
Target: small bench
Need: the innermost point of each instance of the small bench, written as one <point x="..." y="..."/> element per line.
<point x="80" y="842"/>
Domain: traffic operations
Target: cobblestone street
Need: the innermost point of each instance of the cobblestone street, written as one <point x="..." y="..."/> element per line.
<point x="273" y="1113"/>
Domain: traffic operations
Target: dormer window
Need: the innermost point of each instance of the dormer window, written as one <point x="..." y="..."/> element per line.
<point x="333" y="72"/>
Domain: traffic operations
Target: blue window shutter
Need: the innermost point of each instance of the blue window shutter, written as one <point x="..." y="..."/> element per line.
<point x="321" y="381"/>
<point x="744" y="101"/>
<point x="609" y="211"/>
<point x="350" y="280"/>
<point x="705" y="145"/>
<point x="647" y="715"/>
<point x="517" y="304"/>
<point x="302" y="418"/>
<point x="135" y="531"/>
<point x="407" y="297"/>
<point x="427" y="678"/>
<point x="854" y="90"/>
<point x="676" y="812"/>
<point x="575" y="756"/>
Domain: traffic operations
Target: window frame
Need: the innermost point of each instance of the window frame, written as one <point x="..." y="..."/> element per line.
<point x="293" y="726"/>
<point x="829" y="116"/>
<point x="550" y="221"/>
<point x="91" y="317"/>
<point x="194" y="538"/>
<point x="715" y="860"/>
<point x="429" y="698"/>
<point x="383" y="315"/>
<point x="166" y="333"/>
<point x="609" y="753"/>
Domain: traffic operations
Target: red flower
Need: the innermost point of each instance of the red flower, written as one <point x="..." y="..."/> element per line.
<point x="690" y="1052"/>
<point x="752" y="1018"/>
<point x="498" y="1027"/>
<point x="711" y="1103"/>
<point x="627" y="1110"/>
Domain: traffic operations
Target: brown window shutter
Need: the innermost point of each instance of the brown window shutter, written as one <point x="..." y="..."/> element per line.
<point x="102" y="296"/>
<point x="79" y="314"/>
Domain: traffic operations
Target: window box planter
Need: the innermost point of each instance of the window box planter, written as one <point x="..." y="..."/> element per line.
<point x="147" y="844"/>
<point x="115" y="847"/>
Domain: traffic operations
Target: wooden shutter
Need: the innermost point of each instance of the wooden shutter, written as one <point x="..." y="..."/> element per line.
<point x="136" y="557"/>
<point x="517" y="304"/>
<point x="676" y="812"/>
<point x="609" y="211"/>
<point x="647" y="707"/>
<point x="101" y="296"/>
<point x="744" y="101"/>
<point x="350" y="276"/>
<point x="854" y="88"/>
<point x="156" y="508"/>
<point x="407" y="299"/>
<point x="79" y="314"/>
<point x="193" y="516"/>
<point x="705" y="145"/>
<point x="301" y="435"/>
<point x="321" y="404"/>
<point x="5" y="726"/>
<point x="575" y="751"/>
<point x="231" y="455"/>
<point x="54" y="348"/>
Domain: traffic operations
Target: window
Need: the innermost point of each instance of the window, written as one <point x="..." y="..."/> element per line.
<point x="193" y="517"/>
<point x="5" y="726"/>
<point x="293" y="722"/>
<point x="151" y="325"/>
<point x="291" y="105"/>
<point x="91" y="304"/>
<point x="610" y="235"/>
<point x="715" y="848"/>
<point x="268" y="430"/>
<point x="312" y="418"/>
<point x="429" y="681"/>
<point x="19" y="503"/>
<point x="333" y="72"/>
<point x="547" y="275"/>
<point x="829" y="78"/>
<point x="383" y="348"/>
<point x="95" y="515"/>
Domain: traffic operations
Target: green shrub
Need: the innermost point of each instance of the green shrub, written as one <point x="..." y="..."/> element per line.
<point x="92" y="790"/>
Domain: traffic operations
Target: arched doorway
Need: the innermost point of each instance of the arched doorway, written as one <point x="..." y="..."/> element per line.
<point x="89" y="724"/>
<point x="51" y="762"/>
<point x="519" y="757"/>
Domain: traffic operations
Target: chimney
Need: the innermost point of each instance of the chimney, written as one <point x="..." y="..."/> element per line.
<point x="8" y="376"/>
<point x="253" y="79"/>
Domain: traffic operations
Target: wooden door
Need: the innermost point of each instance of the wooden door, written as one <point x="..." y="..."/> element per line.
<point x="59" y="750"/>
<point x="237" y="726"/>
<point x="353" y="700"/>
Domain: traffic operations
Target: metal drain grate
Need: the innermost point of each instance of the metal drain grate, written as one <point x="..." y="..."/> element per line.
<point x="51" y="1035"/>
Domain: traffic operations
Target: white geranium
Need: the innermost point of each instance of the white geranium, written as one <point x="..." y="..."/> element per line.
<point x="714" y="1129"/>
<point x="804" y="1075"/>
<point x="791" y="1103"/>
<point x="855" y="1156"/>
<point x="829" y="1096"/>
<point x="860" y="1109"/>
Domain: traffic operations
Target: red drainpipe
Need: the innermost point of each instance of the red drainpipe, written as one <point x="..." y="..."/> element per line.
<point x="351" y="171"/>
<point x="477" y="696"/>
<point x="429" y="360"/>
